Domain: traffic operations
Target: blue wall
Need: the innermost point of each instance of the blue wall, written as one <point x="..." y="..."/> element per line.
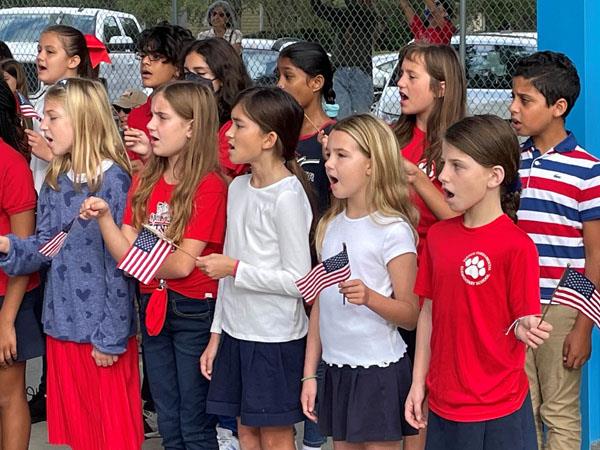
<point x="573" y="27"/>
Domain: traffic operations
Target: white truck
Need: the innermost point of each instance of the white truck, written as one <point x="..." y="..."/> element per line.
<point x="20" y="29"/>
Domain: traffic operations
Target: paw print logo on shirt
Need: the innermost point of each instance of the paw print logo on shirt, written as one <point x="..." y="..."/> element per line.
<point x="476" y="268"/>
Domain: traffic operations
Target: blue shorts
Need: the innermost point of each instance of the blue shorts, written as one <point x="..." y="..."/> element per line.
<point x="514" y="432"/>
<point x="257" y="381"/>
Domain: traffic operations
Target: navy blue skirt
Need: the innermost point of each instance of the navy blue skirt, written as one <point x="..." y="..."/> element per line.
<point x="28" y="326"/>
<point x="365" y="404"/>
<point x="257" y="381"/>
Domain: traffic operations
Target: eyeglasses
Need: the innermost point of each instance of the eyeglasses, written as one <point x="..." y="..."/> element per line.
<point x="218" y="13"/>
<point x="152" y="57"/>
<point x="119" y="109"/>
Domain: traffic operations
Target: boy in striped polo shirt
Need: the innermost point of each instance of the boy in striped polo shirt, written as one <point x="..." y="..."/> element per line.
<point x="560" y="210"/>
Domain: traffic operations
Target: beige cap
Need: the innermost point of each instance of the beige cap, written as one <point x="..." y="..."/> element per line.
<point x="131" y="98"/>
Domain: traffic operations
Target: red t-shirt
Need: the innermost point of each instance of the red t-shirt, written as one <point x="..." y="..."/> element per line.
<point x="230" y="169"/>
<point x="413" y="151"/>
<point x="17" y="195"/>
<point x="207" y="223"/>
<point x="480" y="280"/>
<point x="138" y="119"/>
<point x="432" y="35"/>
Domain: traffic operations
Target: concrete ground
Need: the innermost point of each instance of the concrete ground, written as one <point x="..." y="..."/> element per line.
<point x="39" y="437"/>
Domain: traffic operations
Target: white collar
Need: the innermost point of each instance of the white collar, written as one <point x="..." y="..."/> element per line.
<point x="82" y="178"/>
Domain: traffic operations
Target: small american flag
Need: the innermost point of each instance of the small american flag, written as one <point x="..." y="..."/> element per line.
<point x="576" y="291"/>
<point x="26" y="108"/>
<point x="145" y="256"/>
<point x="53" y="246"/>
<point x="331" y="271"/>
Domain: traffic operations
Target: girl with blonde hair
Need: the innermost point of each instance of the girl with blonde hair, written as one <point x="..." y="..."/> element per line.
<point x="88" y="304"/>
<point x="181" y="193"/>
<point x="353" y="325"/>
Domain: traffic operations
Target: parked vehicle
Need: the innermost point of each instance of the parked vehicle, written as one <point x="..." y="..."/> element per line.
<point x="260" y="57"/>
<point x="20" y="28"/>
<point x="490" y="58"/>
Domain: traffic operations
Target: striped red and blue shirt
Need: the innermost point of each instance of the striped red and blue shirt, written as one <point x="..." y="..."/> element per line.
<point x="561" y="191"/>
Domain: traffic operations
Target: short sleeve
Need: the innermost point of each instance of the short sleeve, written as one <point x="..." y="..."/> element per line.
<point x="399" y="240"/>
<point x="589" y="198"/>
<point x="423" y="282"/>
<point x="21" y="195"/>
<point x="208" y="221"/>
<point x="524" y="270"/>
<point x="236" y="37"/>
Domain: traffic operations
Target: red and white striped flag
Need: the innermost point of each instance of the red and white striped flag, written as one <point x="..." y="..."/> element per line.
<point x="145" y="256"/>
<point x="53" y="246"/>
<point x="331" y="271"/>
<point x="26" y="108"/>
<point x="577" y="291"/>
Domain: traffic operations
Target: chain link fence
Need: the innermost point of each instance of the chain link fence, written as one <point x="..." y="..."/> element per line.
<point x="362" y="36"/>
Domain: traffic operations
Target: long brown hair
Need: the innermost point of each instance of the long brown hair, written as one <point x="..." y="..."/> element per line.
<point x="273" y="109"/>
<point x="95" y="134"/>
<point x="491" y="141"/>
<point x="194" y="102"/>
<point x="442" y="64"/>
<point x="387" y="190"/>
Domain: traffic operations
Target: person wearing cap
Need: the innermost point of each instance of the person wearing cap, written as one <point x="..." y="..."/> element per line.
<point x="131" y="98"/>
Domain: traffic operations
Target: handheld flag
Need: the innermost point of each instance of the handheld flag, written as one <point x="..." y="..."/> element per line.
<point x="26" y="108"/>
<point x="331" y="271"/>
<point x="577" y="291"/>
<point x="53" y="246"/>
<point x="145" y="256"/>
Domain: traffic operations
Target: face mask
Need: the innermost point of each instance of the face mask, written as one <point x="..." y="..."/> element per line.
<point x="191" y="76"/>
<point x="331" y="110"/>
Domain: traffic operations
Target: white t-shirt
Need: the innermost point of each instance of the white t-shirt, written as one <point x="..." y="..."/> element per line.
<point x="232" y="36"/>
<point x="354" y="334"/>
<point x="267" y="231"/>
<point x="38" y="166"/>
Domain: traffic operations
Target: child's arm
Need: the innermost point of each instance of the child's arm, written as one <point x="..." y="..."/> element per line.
<point x="311" y="363"/>
<point x="117" y="240"/>
<point x="39" y="145"/>
<point x="22" y="225"/>
<point x="578" y="343"/>
<point x="403" y="309"/>
<point x="532" y="331"/>
<point x="414" y="412"/>
<point x="21" y="256"/>
<point x="294" y="252"/>
<point x="432" y="197"/>
<point x="110" y="337"/>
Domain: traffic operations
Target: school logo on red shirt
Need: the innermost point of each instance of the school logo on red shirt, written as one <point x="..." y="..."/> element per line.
<point x="423" y="166"/>
<point x="162" y="217"/>
<point x="476" y="268"/>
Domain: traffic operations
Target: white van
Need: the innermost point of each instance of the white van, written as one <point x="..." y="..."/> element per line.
<point x="20" y="28"/>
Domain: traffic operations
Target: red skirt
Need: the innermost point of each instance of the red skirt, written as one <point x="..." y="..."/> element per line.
<point x="91" y="407"/>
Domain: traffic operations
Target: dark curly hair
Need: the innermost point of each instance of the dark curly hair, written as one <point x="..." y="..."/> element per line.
<point x="11" y="130"/>
<point x="227" y="66"/>
<point x="165" y="39"/>
<point x="553" y="74"/>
